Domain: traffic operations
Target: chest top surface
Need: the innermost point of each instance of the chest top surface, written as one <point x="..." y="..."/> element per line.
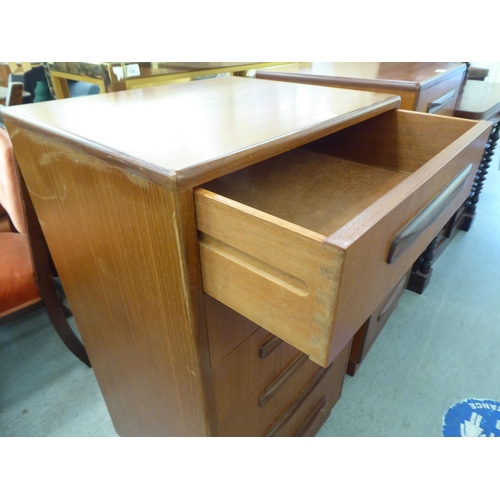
<point x="410" y="75"/>
<point x="479" y="101"/>
<point x="185" y="134"/>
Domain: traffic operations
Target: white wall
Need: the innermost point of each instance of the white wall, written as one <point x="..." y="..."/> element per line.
<point x="494" y="67"/>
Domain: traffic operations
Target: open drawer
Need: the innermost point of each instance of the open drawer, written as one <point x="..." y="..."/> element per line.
<point x="308" y="243"/>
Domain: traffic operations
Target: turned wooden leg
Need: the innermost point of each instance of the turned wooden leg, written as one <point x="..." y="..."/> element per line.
<point x="470" y="206"/>
<point x="422" y="269"/>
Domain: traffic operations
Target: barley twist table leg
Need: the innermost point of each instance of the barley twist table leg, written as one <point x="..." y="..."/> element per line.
<point x="477" y="187"/>
<point x="422" y="269"/>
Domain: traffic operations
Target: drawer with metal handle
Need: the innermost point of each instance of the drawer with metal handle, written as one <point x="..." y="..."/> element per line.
<point x="440" y="98"/>
<point x="439" y="103"/>
<point x="307" y="244"/>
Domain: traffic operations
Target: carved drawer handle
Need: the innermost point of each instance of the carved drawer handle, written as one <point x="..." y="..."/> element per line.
<point x="404" y="239"/>
<point x="288" y="414"/>
<point x="268" y="346"/>
<point x="281" y="380"/>
<point x="306" y="425"/>
<point x="440" y="102"/>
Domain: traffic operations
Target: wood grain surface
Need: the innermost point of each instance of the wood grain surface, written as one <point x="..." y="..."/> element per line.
<point x="231" y="388"/>
<point x="248" y="418"/>
<point x="315" y="191"/>
<point x="310" y="410"/>
<point x="480" y="101"/>
<point x="198" y="131"/>
<point x="226" y="329"/>
<point x="277" y="274"/>
<point x="115" y="180"/>
<point x="118" y="244"/>
<point x="401" y="141"/>
<point x="283" y="240"/>
<point x="416" y="83"/>
<point x="387" y="75"/>
<point x="449" y="90"/>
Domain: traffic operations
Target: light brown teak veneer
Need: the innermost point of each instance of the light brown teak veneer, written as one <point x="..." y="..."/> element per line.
<point x="429" y="87"/>
<point x="299" y="243"/>
<point x="114" y="179"/>
<point x="111" y="178"/>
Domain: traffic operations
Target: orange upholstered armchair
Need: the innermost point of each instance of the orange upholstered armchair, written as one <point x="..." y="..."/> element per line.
<point x="26" y="271"/>
<point x="18" y="288"/>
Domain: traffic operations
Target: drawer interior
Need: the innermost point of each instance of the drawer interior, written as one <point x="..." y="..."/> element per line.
<point x="400" y="141"/>
<point x="328" y="183"/>
<point x="315" y="191"/>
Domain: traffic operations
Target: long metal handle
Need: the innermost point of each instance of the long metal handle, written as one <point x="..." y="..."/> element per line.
<point x="427" y="215"/>
<point x="438" y="103"/>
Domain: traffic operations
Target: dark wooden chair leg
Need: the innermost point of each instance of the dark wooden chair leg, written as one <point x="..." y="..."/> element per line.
<point x="14" y="94"/>
<point x="42" y="261"/>
<point x="60" y="290"/>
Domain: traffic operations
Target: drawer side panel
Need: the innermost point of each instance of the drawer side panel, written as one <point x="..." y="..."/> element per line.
<point x="283" y="279"/>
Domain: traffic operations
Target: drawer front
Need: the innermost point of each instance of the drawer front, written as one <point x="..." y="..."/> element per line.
<point x="278" y="416"/>
<point x="441" y="98"/>
<point x="280" y="277"/>
<point x="226" y="329"/>
<point x="261" y="360"/>
<point x="368" y="333"/>
<point x="267" y="402"/>
<point x="369" y="258"/>
<point x="310" y="289"/>
<point x="310" y="411"/>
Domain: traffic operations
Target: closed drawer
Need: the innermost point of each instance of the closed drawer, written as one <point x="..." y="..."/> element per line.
<point x="259" y="414"/>
<point x="256" y="414"/>
<point x="441" y="98"/>
<point x="306" y="243"/>
<point x="262" y="360"/>
<point x="368" y="333"/>
<point x="310" y="410"/>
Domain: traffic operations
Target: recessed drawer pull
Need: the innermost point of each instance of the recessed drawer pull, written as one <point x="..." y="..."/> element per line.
<point x="268" y="346"/>
<point x="281" y="380"/>
<point x="304" y="427"/>
<point x="288" y="414"/>
<point x="440" y="102"/>
<point x="427" y="215"/>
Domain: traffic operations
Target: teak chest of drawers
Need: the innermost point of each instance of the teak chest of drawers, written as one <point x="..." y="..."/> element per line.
<point x="220" y="242"/>
<point x="427" y="87"/>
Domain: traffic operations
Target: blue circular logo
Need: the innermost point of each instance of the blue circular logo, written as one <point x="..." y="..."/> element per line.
<point x="473" y="418"/>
